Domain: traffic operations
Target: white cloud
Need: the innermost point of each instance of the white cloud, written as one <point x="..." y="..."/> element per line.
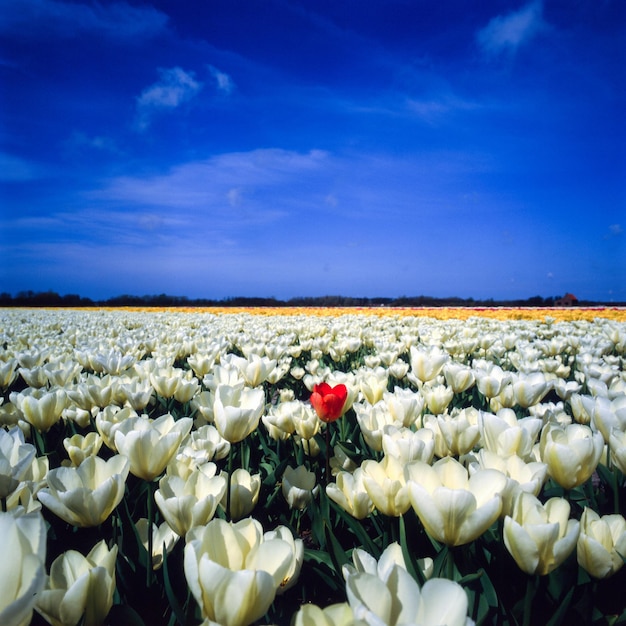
<point x="118" y="20"/>
<point x="506" y="33"/>
<point x="208" y="183"/>
<point x="223" y="81"/>
<point x="175" y="87"/>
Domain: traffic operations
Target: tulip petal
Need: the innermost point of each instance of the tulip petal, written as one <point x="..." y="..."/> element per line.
<point x="520" y="545"/>
<point x="443" y="602"/>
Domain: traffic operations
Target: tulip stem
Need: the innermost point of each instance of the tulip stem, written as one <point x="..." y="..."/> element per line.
<point x="327" y="475"/>
<point x="528" y="599"/>
<point x="228" y="481"/>
<point x="450" y="563"/>
<point x="151" y="486"/>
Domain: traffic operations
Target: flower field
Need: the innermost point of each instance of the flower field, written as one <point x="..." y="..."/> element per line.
<point x="310" y="467"/>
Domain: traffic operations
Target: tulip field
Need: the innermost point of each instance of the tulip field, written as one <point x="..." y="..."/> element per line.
<point x="380" y="467"/>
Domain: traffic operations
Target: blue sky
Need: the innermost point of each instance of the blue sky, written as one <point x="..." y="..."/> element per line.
<point x="289" y="148"/>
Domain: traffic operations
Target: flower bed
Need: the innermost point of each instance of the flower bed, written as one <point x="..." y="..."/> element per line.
<point x="383" y="466"/>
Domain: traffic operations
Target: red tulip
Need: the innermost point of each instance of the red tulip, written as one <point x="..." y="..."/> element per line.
<point x="328" y="401"/>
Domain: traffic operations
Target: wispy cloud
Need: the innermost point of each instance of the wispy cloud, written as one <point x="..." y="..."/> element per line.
<point x="220" y="180"/>
<point x="615" y="230"/>
<point x="506" y="33"/>
<point x="175" y="87"/>
<point x="433" y="110"/>
<point x="223" y="82"/>
<point x="118" y="20"/>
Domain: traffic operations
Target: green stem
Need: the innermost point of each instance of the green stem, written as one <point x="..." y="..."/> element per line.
<point x="230" y="474"/>
<point x="450" y="564"/>
<point x="151" y="485"/>
<point x="3" y="502"/>
<point x="528" y="599"/>
<point x="327" y="474"/>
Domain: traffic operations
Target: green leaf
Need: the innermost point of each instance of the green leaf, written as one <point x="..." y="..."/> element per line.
<point x="356" y="526"/>
<point x="123" y="614"/>
<point x="559" y="614"/>
<point x="169" y="592"/>
<point x="409" y="557"/>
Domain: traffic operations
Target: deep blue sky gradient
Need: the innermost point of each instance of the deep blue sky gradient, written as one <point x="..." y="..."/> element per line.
<point x="287" y="148"/>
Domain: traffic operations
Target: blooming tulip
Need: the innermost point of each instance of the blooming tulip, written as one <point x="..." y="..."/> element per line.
<point x="150" y="444"/>
<point x="234" y="573"/>
<point x="459" y="377"/>
<point x="79" y="448"/>
<point x="244" y="493"/>
<point x="350" y="494"/>
<point x="297" y="550"/>
<point x="453" y="435"/>
<point x="409" y="445"/>
<point x="237" y="411"/>
<point x="256" y="369"/>
<point x="454" y="508"/>
<point x="522" y="476"/>
<point x="163" y="538"/>
<point x="391" y="556"/>
<point x="190" y="501"/>
<point x="404" y="405"/>
<point x="299" y="487"/>
<point x="539" y="537"/>
<point x="427" y="363"/>
<point x="22" y="567"/>
<point x="339" y="614"/>
<point x="79" y="587"/>
<point x="203" y="445"/>
<point x="373" y="384"/>
<point x="385" y="483"/>
<point x="504" y="434"/>
<point x="328" y="401"/>
<point x="42" y="409"/>
<point x="372" y="420"/>
<point x="617" y="442"/>
<point x="110" y="419"/>
<point x="572" y="453"/>
<point x="86" y="495"/>
<point x="398" y="600"/>
<point x="491" y="382"/>
<point x="16" y="457"/>
<point x="601" y="546"/>
<point x="529" y="389"/>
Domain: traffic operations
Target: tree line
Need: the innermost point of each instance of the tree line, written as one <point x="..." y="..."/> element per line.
<point x="53" y="299"/>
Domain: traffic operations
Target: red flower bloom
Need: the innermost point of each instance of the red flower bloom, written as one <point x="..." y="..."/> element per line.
<point x="328" y="401"/>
